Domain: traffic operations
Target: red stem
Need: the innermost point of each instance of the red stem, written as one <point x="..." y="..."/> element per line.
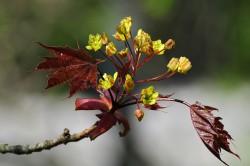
<point x="138" y="56"/>
<point x="119" y="60"/>
<point x="128" y="104"/>
<point x="175" y="100"/>
<point x="110" y="59"/>
<point x="132" y="57"/>
<point x="145" y="60"/>
<point x="157" y="78"/>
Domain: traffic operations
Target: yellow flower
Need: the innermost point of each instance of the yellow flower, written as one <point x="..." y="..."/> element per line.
<point x="104" y="39"/>
<point x="118" y="36"/>
<point x="169" y="44"/>
<point x="95" y="42"/>
<point x="143" y="42"/>
<point x="173" y="64"/>
<point x="129" y="83"/>
<point x="110" y="49"/>
<point x="107" y="81"/>
<point x="149" y="96"/>
<point x="123" y="29"/>
<point x="123" y="53"/>
<point x="139" y="114"/>
<point x="184" y="65"/>
<point x="158" y="47"/>
<point x="125" y="26"/>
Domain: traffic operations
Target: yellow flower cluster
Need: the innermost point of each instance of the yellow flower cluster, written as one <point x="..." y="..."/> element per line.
<point x="105" y="39"/>
<point x="107" y="81"/>
<point x="129" y="83"/>
<point x="123" y="29"/>
<point x="143" y="42"/>
<point x="96" y="41"/>
<point x="149" y="96"/>
<point x="158" y="47"/>
<point x="181" y="65"/>
<point x="110" y="49"/>
<point x="123" y="53"/>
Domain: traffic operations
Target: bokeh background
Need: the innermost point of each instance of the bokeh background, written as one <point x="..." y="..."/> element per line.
<point x="215" y="35"/>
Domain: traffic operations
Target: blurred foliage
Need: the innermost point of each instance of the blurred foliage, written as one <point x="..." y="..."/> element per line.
<point x="240" y="39"/>
<point x="157" y="9"/>
<point x="214" y="34"/>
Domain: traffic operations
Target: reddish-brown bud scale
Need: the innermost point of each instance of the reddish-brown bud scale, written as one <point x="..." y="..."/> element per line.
<point x="139" y="114"/>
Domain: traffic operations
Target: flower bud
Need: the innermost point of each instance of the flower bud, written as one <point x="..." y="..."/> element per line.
<point x="104" y="39"/>
<point x="129" y="83"/>
<point x="170" y="43"/>
<point x="139" y="114"/>
<point x="110" y="49"/>
<point x="123" y="53"/>
<point x="119" y="36"/>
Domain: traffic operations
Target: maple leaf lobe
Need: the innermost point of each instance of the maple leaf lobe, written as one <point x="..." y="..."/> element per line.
<point x="74" y="66"/>
<point x="107" y="121"/>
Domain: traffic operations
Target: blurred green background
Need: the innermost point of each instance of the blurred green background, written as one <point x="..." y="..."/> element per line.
<point x="215" y="35"/>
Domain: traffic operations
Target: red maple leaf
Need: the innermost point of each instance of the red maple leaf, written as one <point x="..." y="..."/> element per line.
<point x="210" y="130"/>
<point x="107" y="118"/>
<point x="107" y="121"/>
<point x="74" y="66"/>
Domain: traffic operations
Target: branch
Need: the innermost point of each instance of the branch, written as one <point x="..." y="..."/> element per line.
<point x="64" y="138"/>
